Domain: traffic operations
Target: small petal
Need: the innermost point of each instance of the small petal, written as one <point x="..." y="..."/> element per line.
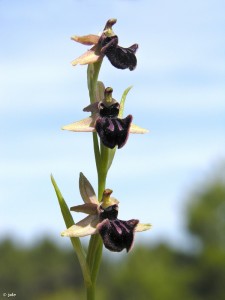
<point x="90" y="39"/>
<point x="93" y="108"/>
<point x="88" y="57"/>
<point x="85" y="125"/>
<point x="108" y="107"/>
<point x="100" y="91"/>
<point x="86" y="190"/>
<point x="87" y="208"/>
<point x="142" y="227"/>
<point x="85" y="227"/>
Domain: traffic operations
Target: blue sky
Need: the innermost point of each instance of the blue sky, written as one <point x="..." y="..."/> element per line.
<point x="178" y="94"/>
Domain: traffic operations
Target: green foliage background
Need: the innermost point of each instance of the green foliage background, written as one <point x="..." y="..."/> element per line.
<point x="46" y="271"/>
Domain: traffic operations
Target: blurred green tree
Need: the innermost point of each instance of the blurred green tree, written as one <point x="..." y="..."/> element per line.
<point x="38" y="272"/>
<point x="206" y="221"/>
<point x="150" y="273"/>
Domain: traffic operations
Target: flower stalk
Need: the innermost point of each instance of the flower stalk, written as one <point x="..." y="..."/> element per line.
<point x="94" y="254"/>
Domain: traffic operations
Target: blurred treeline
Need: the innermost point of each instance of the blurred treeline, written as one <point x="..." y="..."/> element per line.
<point x="46" y="271"/>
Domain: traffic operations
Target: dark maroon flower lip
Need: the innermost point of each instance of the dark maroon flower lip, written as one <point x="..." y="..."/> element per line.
<point x="113" y="131"/>
<point x="116" y="234"/>
<point x="120" y="57"/>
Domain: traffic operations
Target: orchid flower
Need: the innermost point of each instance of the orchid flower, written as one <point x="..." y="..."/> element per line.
<point x="106" y="119"/>
<point x="102" y="218"/>
<point x="106" y="44"/>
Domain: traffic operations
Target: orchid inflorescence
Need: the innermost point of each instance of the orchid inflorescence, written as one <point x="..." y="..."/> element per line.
<point x="110" y="132"/>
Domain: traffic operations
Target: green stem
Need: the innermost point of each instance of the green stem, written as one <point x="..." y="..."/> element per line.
<point x="98" y="257"/>
<point x="103" y="170"/>
<point x="94" y="253"/>
<point x="92" y="78"/>
<point x="103" y="159"/>
<point x="94" y="250"/>
<point x="90" y="292"/>
<point x="101" y="184"/>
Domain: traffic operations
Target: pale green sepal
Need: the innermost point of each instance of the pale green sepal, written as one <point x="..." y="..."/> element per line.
<point x="136" y="129"/>
<point x="89" y="57"/>
<point x="85" y="227"/>
<point x="142" y="227"/>
<point x="86" y="190"/>
<point x="90" y="39"/>
<point x="85" y="125"/>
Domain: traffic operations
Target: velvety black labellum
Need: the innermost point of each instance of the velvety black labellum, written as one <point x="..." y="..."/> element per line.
<point x="113" y="131"/>
<point x="116" y="234"/>
<point x="121" y="58"/>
